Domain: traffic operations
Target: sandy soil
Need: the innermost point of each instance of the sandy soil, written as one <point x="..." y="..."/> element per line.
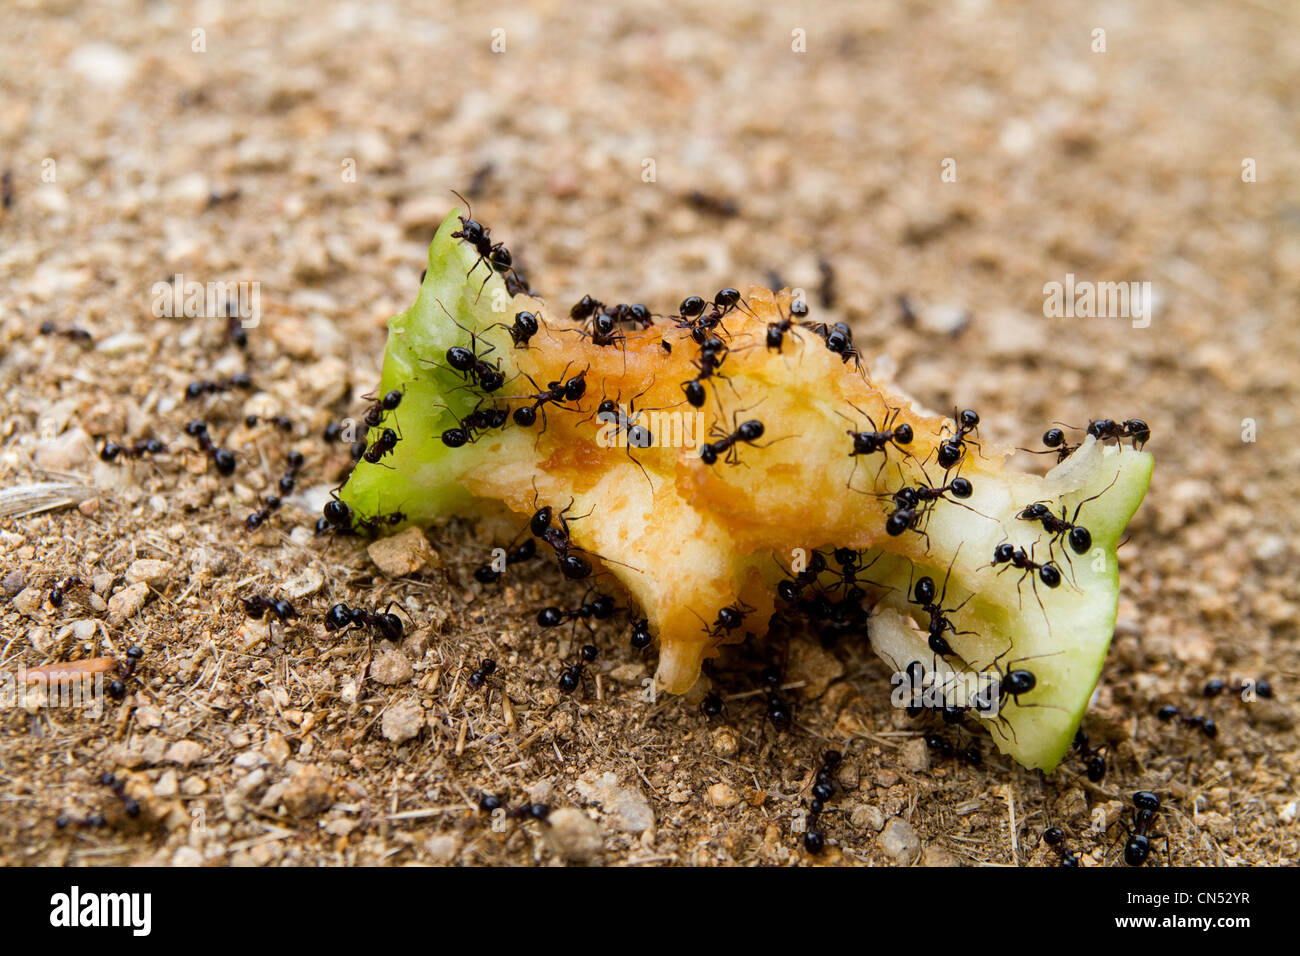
<point x="132" y="156"/>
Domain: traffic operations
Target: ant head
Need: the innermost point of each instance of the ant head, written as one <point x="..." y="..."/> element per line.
<point x="1003" y="553"/>
<point x="1146" y="800"/>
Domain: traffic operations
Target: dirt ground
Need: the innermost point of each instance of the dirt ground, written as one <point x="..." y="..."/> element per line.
<point x="132" y="155"/>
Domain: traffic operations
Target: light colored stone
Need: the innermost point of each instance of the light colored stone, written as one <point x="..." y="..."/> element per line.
<point x="403" y="554"/>
<point x="915" y="755"/>
<point x="184" y="752"/>
<point x="126" y="603"/>
<point x="814" y="665"/>
<point x="403" y="721"/>
<point x="899" y="840"/>
<point x="867" y="817"/>
<point x="151" y="571"/>
<point x="625" y="808"/>
<point x="723" y="796"/>
<point x="308" y="793"/>
<point x="573" y="835"/>
<point x="443" y="847"/>
<point x="391" y="668"/>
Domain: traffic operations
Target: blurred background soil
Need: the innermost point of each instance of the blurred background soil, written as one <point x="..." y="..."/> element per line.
<point x="136" y="148"/>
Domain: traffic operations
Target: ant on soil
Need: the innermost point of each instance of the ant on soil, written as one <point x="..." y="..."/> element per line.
<point x="71" y="333"/>
<point x="1260" y="688"/>
<point x="1094" y="761"/>
<point x="223" y="459"/>
<point x="477" y="679"/>
<point x="117" y="688"/>
<point x="57" y="591"/>
<point x="947" y="750"/>
<point x="1055" y="838"/>
<point x="489" y="573"/>
<point x="255" y="520"/>
<point x="778" y="711"/>
<point x="110" y="450"/>
<point x="1205" y="725"/>
<point x="878" y="439"/>
<point x="1138" y="845"/>
<point x="952" y="449"/>
<point x="823" y="789"/>
<point x="600" y="609"/>
<point x="571" y="676"/>
<point x="198" y="389"/>
<point x="384" y="623"/>
<point x="259" y="606"/>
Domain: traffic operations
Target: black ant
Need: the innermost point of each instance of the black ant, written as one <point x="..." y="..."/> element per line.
<point x="729" y="619"/>
<point x="279" y="421"/>
<point x="117" y="688"/>
<point x="713" y="352"/>
<point x="471" y="364"/>
<point x="1059" y="527"/>
<point x="524" y="327"/>
<point x="571" y="676"/>
<point x="947" y="750"/>
<point x="466" y="429"/>
<point x="1260" y="688"/>
<point x="130" y="805"/>
<point x="223" y="459"/>
<point x="1138" y="845"/>
<point x="489" y="573"/>
<point x="572" y="566"/>
<point x="603" y="331"/>
<point x="259" y="606"/>
<point x="791" y="589"/>
<point x="198" y="389"/>
<point x="375" y="413"/>
<point x="1206" y="725"/>
<point x="1055" y="838"/>
<point x="839" y="340"/>
<point x="337" y="513"/>
<point x="823" y="789"/>
<point x="878" y="439"/>
<point x="255" y="520"/>
<point x="712" y="705"/>
<point x="479" y="237"/>
<point x="952" y="449"/>
<point x="633" y="315"/>
<point x="923" y="595"/>
<point x="1014" y="557"/>
<point x="725" y="443"/>
<point x="1015" y="682"/>
<point x="641" y="636"/>
<point x="1106" y="429"/>
<point x="777" y="331"/>
<point x="381" y="446"/>
<point x="57" y="591"/>
<point x="71" y="333"/>
<point x="626" y="427"/>
<point x="778" y="711"/>
<point x="585" y="308"/>
<point x="556" y="393"/>
<point x="1055" y="441"/>
<point x="1094" y="761"/>
<point x="110" y="450"/>
<point x="600" y="609"/>
<point x="384" y="624"/>
<point x="477" y="679"/>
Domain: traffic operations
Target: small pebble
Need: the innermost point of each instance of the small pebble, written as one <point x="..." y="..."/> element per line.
<point x="573" y="835"/>
<point x="899" y="840"/>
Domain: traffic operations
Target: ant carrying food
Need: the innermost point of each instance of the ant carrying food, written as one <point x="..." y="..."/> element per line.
<point x="383" y="624"/>
<point x="223" y="459"/>
<point x="878" y="439"/>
